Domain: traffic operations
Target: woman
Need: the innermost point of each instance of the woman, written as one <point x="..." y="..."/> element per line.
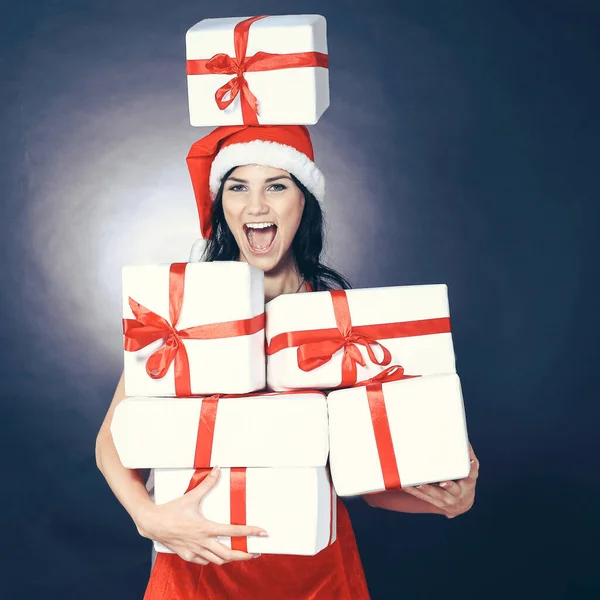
<point x="258" y="193"/>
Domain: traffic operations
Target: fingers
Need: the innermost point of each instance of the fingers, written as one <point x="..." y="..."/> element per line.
<point x="216" y="553"/>
<point x="451" y="487"/>
<point x="219" y="529"/>
<point x="474" y="459"/>
<point x="227" y="554"/>
<point x="419" y="492"/>
<point x="208" y="482"/>
<point x="211" y="557"/>
<point x="190" y="556"/>
<point x="473" y="473"/>
<point x="435" y="491"/>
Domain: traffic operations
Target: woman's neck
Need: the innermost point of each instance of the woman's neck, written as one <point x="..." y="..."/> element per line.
<point x="284" y="282"/>
<point x="286" y="279"/>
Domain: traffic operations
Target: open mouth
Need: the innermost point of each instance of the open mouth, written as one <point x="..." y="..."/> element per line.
<point x="260" y="236"/>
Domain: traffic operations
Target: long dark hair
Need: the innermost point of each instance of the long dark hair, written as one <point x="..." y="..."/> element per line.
<point x="306" y="246"/>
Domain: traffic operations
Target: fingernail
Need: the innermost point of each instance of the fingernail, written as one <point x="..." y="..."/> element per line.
<point x="263" y="534"/>
<point x="256" y="556"/>
<point x="472" y="461"/>
<point x="444" y="484"/>
<point x="214" y="472"/>
<point x="419" y="487"/>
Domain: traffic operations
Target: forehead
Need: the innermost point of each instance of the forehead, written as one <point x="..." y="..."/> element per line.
<point x="257" y="172"/>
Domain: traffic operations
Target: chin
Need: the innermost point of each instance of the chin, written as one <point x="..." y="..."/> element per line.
<point x="269" y="261"/>
<point x="264" y="263"/>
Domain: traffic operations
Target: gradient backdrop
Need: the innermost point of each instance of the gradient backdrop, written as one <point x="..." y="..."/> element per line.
<point x="461" y="146"/>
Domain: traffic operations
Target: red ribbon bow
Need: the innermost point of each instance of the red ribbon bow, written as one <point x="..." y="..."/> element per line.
<point x="240" y="64"/>
<point x="148" y="326"/>
<point x="312" y="355"/>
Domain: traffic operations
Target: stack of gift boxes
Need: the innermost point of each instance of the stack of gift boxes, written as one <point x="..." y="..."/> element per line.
<point x="348" y="392"/>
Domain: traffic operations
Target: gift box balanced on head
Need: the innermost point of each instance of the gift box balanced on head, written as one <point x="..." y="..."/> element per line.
<point x="267" y="70"/>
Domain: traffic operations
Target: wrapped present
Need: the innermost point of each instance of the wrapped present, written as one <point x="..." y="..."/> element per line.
<point x="326" y="340"/>
<point x="267" y="70"/>
<point x="386" y="436"/>
<point x="254" y="431"/>
<point x="193" y="329"/>
<point x="296" y="506"/>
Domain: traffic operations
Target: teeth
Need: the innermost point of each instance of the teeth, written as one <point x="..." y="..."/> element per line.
<point x="259" y="225"/>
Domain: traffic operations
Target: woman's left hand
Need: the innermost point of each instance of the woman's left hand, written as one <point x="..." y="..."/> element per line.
<point x="452" y="498"/>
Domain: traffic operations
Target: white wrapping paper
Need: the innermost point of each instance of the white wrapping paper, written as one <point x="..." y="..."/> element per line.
<point x="283" y="430"/>
<point x="428" y="428"/>
<point x="419" y="355"/>
<point x="215" y="292"/>
<point x="295" y="506"/>
<point x="293" y="96"/>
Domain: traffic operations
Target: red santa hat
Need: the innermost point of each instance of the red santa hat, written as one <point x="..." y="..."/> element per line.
<point x="286" y="147"/>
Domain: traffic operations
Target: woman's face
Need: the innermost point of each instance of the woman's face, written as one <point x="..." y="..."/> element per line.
<point x="263" y="208"/>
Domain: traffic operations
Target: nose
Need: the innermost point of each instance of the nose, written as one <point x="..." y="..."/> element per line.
<point x="257" y="203"/>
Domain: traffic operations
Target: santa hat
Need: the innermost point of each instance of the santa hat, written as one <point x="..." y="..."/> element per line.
<point x="286" y="147"/>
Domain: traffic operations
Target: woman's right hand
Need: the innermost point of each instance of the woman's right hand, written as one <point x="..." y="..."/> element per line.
<point x="180" y="526"/>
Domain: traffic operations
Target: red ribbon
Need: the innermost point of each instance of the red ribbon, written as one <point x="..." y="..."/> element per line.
<point x="240" y="64"/>
<point x="383" y="436"/>
<point x="381" y="424"/>
<point x="197" y="478"/>
<point x="317" y="347"/>
<point x="148" y="326"/>
<point x="237" y="505"/>
<point x="206" y="431"/>
<point x="208" y="419"/>
<point x="237" y="500"/>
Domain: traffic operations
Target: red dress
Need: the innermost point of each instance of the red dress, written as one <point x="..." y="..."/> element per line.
<point x="335" y="573"/>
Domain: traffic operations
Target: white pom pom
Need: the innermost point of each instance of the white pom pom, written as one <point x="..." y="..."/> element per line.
<point x="197" y="250"/>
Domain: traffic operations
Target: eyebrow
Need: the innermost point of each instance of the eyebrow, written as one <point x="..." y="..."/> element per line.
<point x="270" y="180"/>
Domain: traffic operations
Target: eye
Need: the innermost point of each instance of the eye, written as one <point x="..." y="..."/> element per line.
<point x="277" y="187"/>
<point x="236" y="188"/>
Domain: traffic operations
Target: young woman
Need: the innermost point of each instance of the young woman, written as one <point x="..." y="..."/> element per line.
<point x="258" y="193"/>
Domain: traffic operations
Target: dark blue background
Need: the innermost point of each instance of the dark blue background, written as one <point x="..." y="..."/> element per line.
<point x="461" y="146"/>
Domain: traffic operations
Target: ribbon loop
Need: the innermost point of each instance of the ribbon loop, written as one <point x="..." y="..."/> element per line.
<point x="232" y="88"/>
<point x="222" y="64"/>
<point x="158" y="362"/>
<point x="312" y="355"/>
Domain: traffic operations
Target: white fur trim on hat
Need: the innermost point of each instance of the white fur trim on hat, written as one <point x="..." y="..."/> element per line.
<point x="269" y="154"/>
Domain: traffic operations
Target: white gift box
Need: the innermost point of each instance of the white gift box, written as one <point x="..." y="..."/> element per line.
<point x="295" y="506"/>
<point x="280" y="430"/>
<point x="414" y="306"/>
<point x="428" y="432"/>
<point x="214" y="293"/>
<point x="289" y="96"/>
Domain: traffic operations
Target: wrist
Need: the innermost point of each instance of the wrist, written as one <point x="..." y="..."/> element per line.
<point x="145" y="519"/>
